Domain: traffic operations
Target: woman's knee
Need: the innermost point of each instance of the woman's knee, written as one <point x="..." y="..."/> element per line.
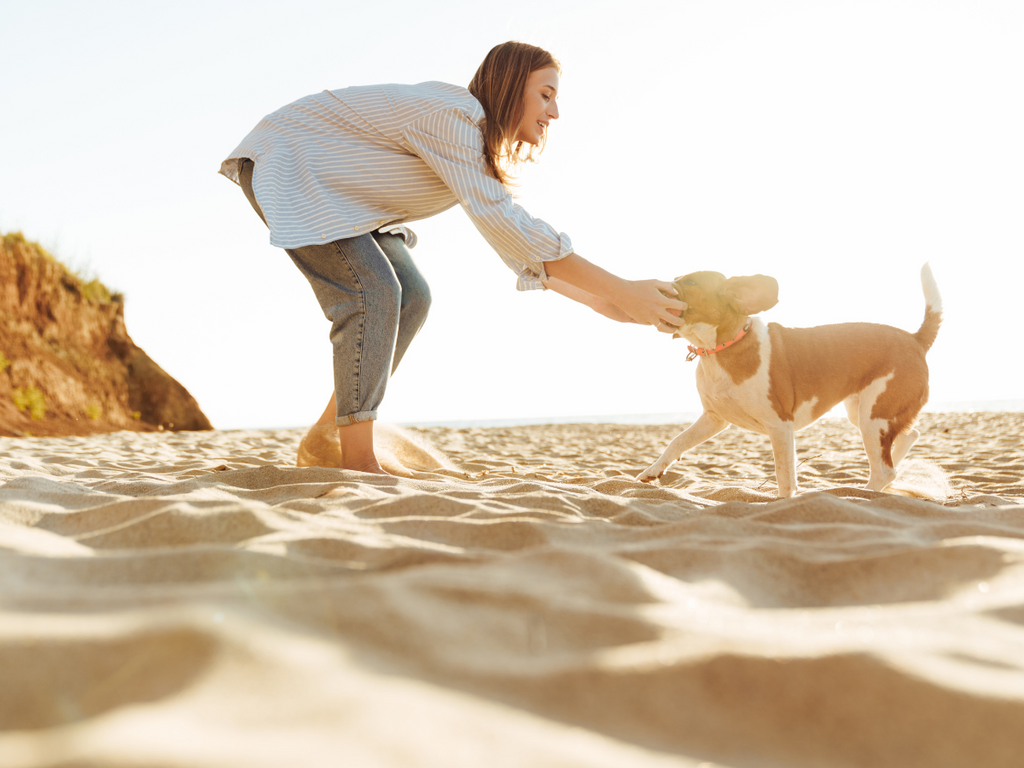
<point x="415" y="301"/>
<point x="384" y="297"/>
<point x="415" y="291"/>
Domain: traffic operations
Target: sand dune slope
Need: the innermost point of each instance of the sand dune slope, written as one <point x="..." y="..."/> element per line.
<point x="515" y="599"/>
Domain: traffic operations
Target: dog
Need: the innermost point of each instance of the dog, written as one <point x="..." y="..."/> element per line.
<point x="775" y="380"/>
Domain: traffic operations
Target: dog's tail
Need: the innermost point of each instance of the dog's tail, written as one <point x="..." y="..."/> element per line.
<point x="933" y="310"/>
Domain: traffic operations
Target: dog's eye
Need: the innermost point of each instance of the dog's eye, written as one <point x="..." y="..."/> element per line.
<point x="689" y="281"/>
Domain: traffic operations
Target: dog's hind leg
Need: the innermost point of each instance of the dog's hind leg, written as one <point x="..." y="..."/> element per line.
<point x="878" y="445"/>
<point x="704" y="428"/>
<point x="876" y="433"/>
<point x="902" y="444"/>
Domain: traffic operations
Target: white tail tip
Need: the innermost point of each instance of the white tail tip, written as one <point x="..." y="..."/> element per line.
<point x="932" y="298"/>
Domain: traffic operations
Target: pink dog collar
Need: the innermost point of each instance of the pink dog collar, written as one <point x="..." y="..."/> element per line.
<point x="696" y="352"/>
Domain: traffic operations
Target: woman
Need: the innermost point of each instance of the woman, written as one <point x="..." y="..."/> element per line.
<point x="336" y="174"/>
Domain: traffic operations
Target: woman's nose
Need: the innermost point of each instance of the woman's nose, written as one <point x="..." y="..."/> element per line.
<point x="553" y="110"/>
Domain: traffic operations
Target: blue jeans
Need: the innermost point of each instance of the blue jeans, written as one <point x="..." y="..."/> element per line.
<point x="377" y="301"/>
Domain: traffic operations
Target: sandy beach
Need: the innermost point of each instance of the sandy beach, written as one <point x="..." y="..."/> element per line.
<point x="516" y="598"/>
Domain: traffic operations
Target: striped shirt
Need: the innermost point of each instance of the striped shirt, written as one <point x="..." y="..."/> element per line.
<point x="338" y="164"/>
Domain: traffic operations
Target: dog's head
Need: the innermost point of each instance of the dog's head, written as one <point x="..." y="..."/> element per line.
<point x="715" y="300"/>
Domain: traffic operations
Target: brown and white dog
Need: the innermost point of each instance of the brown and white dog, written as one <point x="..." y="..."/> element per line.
<point x="775" y="380"/>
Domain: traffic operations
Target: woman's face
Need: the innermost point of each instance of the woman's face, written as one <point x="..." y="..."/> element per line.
<point x="540" y="105"/>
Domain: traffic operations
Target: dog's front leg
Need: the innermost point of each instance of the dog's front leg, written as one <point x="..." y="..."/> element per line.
<point x="784" y="449"/>
<point x="705" y="427"/>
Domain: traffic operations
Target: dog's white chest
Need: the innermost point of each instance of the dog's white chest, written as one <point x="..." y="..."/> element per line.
<point x="744" y="404"/>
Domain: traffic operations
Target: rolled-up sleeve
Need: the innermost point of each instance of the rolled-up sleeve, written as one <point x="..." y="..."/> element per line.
<point x="451" y="144"/>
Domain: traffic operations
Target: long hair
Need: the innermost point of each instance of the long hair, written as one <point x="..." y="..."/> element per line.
<point x="499" y="85"/>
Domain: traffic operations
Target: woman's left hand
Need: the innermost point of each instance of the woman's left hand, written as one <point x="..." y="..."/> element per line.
<point x="652" y="302"/>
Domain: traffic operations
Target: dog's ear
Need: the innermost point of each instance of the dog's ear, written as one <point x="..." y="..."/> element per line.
<point x="750" y="295"/>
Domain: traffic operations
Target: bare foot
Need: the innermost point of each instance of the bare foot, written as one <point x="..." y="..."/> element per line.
<point x="321" y="447"/>
<point x="374" y="469"/>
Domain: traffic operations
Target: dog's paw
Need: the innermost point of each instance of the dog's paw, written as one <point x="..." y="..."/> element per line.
<point x="650" y="474"/>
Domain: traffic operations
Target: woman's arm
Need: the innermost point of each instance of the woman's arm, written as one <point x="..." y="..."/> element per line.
<point x="599" y="305"/>
<point x="648" y="302"/>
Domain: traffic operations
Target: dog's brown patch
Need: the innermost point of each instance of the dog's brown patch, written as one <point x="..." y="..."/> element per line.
<point x="812" y="364"/>
<point x="742" y="360"/>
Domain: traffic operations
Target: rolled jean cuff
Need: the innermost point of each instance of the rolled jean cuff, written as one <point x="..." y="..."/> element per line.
<point x="355" y="418"/>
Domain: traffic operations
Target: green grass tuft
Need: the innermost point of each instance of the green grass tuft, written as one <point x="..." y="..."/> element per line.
<point x="96" y="291"/>
<point x="89" y="286"/>
<point x="32" y="400"/>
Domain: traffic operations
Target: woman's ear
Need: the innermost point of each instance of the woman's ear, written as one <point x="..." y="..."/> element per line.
<point x="750" y="295"/>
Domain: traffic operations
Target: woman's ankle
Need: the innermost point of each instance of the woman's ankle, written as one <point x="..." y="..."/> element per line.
<point x="356" y="442"/>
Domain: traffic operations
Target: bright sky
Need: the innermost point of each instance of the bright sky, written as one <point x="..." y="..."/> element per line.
<point x="834" y="144"/>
